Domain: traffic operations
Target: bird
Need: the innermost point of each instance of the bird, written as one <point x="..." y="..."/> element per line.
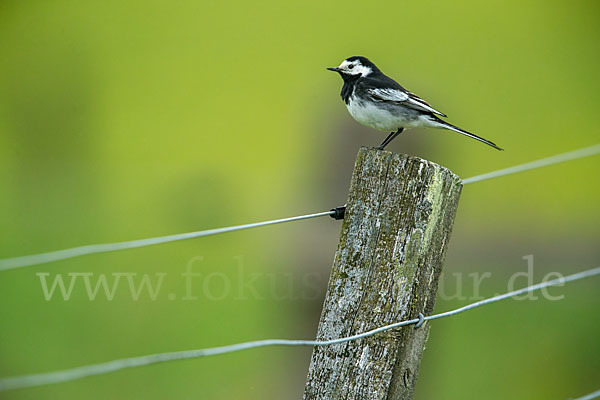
<point x="379" y="102"/>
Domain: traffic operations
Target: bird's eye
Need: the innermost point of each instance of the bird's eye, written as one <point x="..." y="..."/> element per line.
<point x="350" y="66"/>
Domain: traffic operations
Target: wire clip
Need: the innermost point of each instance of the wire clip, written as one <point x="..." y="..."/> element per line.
<point x="421" y="320"/>
<point x="338" y="212"/>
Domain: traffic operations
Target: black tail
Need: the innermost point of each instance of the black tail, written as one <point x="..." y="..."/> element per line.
<point x="444" y="124"/>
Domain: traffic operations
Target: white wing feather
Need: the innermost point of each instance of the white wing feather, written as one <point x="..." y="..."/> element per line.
<point x="388" y="94"/>
<point x="410" y="99"/>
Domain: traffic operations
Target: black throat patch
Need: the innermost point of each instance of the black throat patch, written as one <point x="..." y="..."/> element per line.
<point x="348" y="89"/>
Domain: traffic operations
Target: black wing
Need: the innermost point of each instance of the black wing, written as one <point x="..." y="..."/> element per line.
<point x="386" y="89"/>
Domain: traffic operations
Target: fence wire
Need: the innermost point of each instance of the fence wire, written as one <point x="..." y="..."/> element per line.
<point x="590" y="396"/>
<point x="36" y="259"/>
<point x="27" y="381"/>
<point x="544" y="162"/>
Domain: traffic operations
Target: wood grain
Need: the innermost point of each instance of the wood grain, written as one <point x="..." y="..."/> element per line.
<point x="394" y="237"/>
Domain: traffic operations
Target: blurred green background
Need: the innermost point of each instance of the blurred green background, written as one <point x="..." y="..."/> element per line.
<point x="123" y="120"/>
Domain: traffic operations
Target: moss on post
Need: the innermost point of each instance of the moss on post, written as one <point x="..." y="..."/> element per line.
<point x="394" y="237"/>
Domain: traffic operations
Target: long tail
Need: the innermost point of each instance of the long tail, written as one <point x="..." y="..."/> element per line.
<point x="446" y="125"/>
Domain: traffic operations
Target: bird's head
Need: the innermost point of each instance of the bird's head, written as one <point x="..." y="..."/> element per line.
<point x="355" y="67"/>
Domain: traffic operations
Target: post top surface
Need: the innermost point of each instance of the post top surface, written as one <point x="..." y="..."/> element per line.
<point x="365" y="151"/>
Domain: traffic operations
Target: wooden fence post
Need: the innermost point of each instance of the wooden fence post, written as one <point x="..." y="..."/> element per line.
<point x="394" y="237"/>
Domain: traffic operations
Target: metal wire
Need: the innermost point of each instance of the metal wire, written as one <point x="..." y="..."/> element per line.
<point x="25" y="261"/>
<point x="544" y="162"/>
<point x="26" y="381"/>
<point x="35" y="259"/>
<point x="589" y="396"/>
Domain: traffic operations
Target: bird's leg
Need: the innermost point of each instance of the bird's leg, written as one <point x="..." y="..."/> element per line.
<point x="386" y="141"/>
<point x="389" y="138"/>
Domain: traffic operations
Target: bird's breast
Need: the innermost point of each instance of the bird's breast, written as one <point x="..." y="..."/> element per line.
<point x="383" y="116"/>
<point x="373" y="115"/>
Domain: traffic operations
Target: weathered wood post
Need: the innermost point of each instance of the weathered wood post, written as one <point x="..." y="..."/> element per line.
<point x="394" y="237"/>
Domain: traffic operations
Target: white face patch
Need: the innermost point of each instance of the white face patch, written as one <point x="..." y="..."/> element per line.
<point x="354" y="68"/>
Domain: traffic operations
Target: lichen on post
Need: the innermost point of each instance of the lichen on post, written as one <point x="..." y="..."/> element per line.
<point x="394" y="237"/>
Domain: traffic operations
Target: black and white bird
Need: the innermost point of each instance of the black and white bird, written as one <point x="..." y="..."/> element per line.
<point x="379" y="102"/>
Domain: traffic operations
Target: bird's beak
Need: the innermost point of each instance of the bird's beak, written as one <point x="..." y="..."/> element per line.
<point x="336" y="69"/>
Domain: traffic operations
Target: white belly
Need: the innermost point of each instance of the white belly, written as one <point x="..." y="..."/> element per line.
<point x="378" y="117"/>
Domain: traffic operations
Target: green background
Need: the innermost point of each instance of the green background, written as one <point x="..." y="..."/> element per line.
<point x="123" y="120"/>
